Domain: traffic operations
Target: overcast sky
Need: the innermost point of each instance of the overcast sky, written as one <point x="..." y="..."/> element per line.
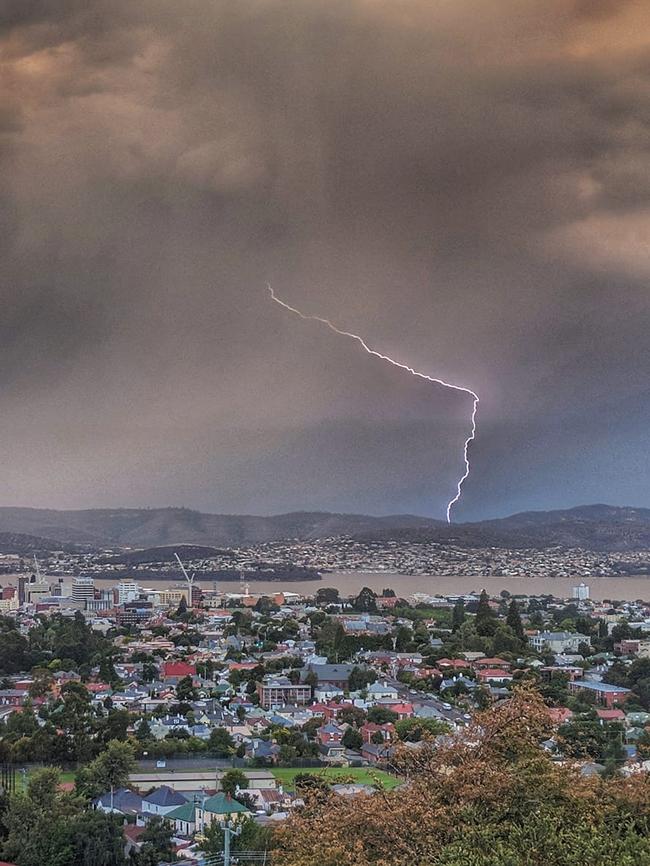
<point x="464" y="183"/>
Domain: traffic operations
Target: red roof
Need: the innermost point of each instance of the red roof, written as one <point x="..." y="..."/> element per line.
<point x="132" y="832"/>
<point x="495" y="673"/>
<point x="452" y="663"/>
<point x="178" y="669"/>
<point x="559" y="714"/>
<point x="610" y="715"/>
<point x="97" y="687"/>
<point x="371" y="727"/>
<point x="403" y="709"/>
<point x="387" y="601"/>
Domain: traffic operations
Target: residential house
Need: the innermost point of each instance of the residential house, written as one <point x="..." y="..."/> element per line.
<point x="387" y="731"/>
<point x="377" y="754"/>
<point x="605" y="693"/>
<point x="276" y="691"/>
<point x="329" y="734"/>
<point x="184" y="819"/>
<point x="557" y="641"/>
<point x="220" y="807"/>
<point x="494" y="675"/>
<point x="403" y="709"/>
<point x="162" y="800"/>
<point x="175" y="671"/>
<point x="121" y="802"/>
<point x="335" y="677"/>
<point x="382" y="692"/>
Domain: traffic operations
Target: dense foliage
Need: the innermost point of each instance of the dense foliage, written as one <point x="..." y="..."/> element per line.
<point x="491" y="798"/>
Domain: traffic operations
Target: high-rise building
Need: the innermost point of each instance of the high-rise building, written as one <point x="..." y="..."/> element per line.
<point x="127" y="590"/>
<point x="83" y="589"/>
<point x="22" y="583"/>
<point x="581" y="592"/>
<point x="36" y="590"/>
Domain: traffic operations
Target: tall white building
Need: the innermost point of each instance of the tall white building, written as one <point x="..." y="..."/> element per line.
<point x="127" y="590"/>
<point x="83" y="589"/>
<point x="581" y="592"/>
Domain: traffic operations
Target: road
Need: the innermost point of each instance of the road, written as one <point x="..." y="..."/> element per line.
<point x="417" y="698"/>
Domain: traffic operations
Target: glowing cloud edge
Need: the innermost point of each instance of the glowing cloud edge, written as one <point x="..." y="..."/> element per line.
<point x="435" y="380"/>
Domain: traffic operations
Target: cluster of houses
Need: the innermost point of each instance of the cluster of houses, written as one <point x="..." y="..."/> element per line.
<point x="282" y="702"/>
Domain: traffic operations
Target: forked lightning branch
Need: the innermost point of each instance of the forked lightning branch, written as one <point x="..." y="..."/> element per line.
<point x="433" y="379"/>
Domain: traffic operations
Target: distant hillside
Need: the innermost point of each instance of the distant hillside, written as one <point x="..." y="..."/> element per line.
<point x="160" y="527"/>
<point x="596" y="527"/>
<point x="164" y="554"/>
<point x="26" y="545"/>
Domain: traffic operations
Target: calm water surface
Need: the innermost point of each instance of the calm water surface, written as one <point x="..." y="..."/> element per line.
<point x="347" y="583"/>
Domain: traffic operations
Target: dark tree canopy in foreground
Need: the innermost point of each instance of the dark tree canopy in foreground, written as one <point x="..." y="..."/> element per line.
<point x="493" y="798"/>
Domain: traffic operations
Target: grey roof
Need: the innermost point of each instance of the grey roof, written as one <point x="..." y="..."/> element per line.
<point x="123" y="800"/>
<point x="331" y="673"/>
<point x="165" y="796"/>
<point x="600" y="687"/>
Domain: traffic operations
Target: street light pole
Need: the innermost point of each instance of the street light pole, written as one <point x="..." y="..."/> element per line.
<point x="227" y="833"/>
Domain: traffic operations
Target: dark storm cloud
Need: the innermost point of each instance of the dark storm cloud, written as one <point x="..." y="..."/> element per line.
<point x="464" y="183"/>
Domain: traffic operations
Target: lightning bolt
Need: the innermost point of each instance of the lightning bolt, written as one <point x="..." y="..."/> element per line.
<point x="433" y="379"/>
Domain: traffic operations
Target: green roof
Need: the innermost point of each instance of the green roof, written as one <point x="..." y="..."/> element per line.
<point x="221" y="804"/>
<point x="182" y="813"/>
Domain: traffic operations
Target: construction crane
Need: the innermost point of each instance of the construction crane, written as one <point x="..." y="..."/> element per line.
<point x="190" y="580"/>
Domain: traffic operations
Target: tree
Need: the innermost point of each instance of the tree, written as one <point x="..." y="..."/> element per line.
<point x="458" y="615"/>
<point x="233" y="779"/>
<point x="143" y="732"/>
<point x="149" y="672"/>
<point x="365" y="601"/>
<point x="352" y="739"/>
<point x="380" y="715"/>
<point x="252" y="838"/>
<point x="360" y="677"/>
<point x="97" y="839"/>
<point x="221" y="744"/>
<point x="586" y="737"/>
<point x="44" y="826"/>
<point x="351" y="715"/>
<point x="116" y="725"/>
<point x="514" y="620"/>
<point x="181" y="610"/>
<point x="109" y="770"/>
<point x="156" y="842"/>
<point x="185" y="691"/>
<point x="327" y="595"/>
<point x="493" y="798"/>
<point x="42" y="682"/>
<point x="486" y="620"/>
<point x="414" y="730"/>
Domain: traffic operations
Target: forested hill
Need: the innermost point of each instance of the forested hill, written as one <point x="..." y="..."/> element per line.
<point x="594" y="527"/>
<point x="155" y="527"/>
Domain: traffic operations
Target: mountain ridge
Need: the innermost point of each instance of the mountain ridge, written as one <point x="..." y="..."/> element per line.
<point x="596" y="527"/>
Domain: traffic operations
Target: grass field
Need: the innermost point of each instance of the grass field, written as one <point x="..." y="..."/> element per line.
<point x="66" y="776"/>
<point x="361" y="775"/>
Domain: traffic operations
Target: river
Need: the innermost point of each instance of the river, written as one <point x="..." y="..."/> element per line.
<point x="348" y="583"/>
